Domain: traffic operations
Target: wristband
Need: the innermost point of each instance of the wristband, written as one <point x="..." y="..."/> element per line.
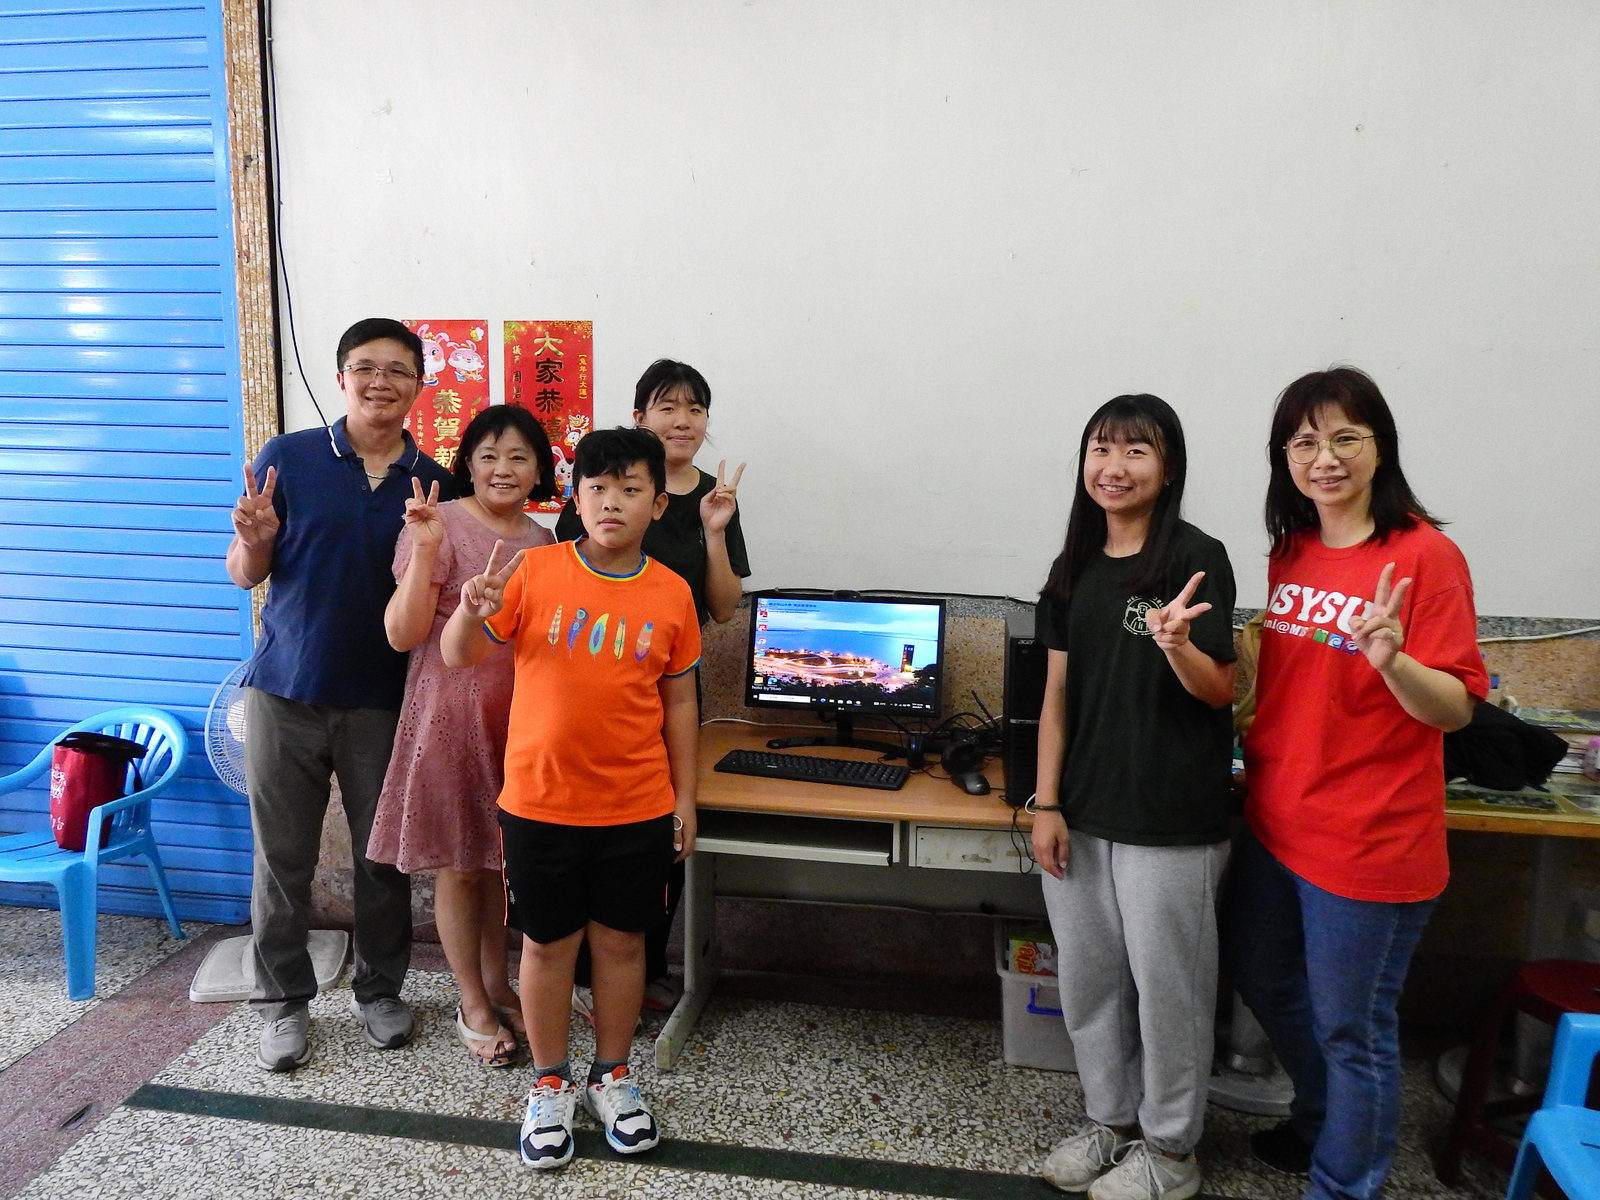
<point x="1030" y="807"/>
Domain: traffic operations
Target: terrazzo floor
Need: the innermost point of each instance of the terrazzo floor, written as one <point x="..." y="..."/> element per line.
<point x="202" y="1158"/>
<point x="33" y="994"/>
<point x="787" y="1077"/>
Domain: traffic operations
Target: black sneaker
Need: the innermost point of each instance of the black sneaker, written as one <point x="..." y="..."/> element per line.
<point x="1282" y="1149"/>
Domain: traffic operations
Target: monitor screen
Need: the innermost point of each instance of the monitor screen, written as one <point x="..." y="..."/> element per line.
<point x="863" y="654"/>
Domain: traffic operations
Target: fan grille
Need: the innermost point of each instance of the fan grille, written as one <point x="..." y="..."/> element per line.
<point x="225" y="730"/>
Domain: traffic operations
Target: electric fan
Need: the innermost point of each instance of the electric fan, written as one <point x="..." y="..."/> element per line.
<point x="225" y="731"/>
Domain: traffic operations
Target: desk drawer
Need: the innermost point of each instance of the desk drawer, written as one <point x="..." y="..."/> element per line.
<point x="968" y="849"/>
<point x="806" y="839"/>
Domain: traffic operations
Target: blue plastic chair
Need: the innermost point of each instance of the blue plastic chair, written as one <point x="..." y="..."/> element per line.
<point x="1563" y="1135"/>
<point x="35" y="857"/>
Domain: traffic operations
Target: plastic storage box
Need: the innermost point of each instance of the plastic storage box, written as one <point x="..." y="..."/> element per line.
<point x="1032" y="1032"/>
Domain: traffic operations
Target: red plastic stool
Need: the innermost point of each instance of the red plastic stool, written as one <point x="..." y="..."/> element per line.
<point x="1545" y="989"/>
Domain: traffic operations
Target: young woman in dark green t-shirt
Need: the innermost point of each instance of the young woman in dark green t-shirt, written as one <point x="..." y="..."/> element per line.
<point x="1131" y="814"/>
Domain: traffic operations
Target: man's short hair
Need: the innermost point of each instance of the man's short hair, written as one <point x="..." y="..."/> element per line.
<point x="374" y="328"/>
<point x="613" y="451"/>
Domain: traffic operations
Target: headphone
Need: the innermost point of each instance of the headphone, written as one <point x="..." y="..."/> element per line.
<point x="963" y="755"/>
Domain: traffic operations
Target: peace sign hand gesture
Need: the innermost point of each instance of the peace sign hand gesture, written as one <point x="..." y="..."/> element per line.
<point x="1377" y="632"/>
<point x="422" y="515"/>
<point x="718" y="505"/>
<point x="1170" y="624"/>
<point x="254" y="518"/>
<point x="483" y="595"/>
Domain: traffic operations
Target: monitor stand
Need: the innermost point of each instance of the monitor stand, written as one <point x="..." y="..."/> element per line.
<point x="843" y="735"/>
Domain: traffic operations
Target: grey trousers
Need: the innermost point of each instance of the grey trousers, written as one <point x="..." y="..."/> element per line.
<point x="292" y="751"/>
<point x="1136" y="942"/>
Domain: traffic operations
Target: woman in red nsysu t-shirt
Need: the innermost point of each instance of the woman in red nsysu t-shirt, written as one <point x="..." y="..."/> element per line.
<point x="1368" y="654"/>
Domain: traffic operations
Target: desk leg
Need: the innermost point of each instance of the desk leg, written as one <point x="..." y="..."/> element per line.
<point x="700" y="960"/>
<point x="1544" y="936"/>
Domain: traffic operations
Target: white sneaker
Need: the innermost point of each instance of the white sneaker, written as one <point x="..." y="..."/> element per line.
<point x="622" y="1112"/>
<point x="1079" y="1160"/>
<point x="583" y="1005"/>
<point x="546" y="1138"/>
<point x="1145" y="1174"/>
<point x="583" y="1002"/>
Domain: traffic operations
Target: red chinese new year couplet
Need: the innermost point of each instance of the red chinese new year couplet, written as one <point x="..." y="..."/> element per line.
<point x="550" y="372"/>
<point x="455" y="384"/>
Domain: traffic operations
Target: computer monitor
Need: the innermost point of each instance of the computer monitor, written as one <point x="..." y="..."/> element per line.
<point x="843" y="654"/>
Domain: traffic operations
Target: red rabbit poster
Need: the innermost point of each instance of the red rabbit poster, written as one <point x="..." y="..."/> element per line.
<point x="550" y="372"/>
<point x="455" y="385"/>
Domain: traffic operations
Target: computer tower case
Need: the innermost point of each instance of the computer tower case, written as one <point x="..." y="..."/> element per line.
<point x="1022" y="700"/>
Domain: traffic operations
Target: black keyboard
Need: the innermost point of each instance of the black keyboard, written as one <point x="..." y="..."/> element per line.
<point x="811" y="768"/>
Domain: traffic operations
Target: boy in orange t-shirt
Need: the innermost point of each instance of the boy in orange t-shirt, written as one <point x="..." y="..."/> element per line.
<point x="600" y="773"/>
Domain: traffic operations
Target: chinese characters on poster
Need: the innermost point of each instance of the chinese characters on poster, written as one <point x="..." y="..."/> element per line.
<point x="455" y="385"/>
<point x="550" y="372"/>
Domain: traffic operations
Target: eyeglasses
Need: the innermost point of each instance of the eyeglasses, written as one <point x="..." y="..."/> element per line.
<point x="1303" y="449"/>
<point x="368" y="374"/>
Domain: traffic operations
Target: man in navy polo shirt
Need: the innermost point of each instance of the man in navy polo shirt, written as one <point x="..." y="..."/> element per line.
<point x="320" y="515"/>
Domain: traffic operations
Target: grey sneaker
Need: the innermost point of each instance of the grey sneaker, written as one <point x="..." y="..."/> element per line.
<point x="1145" y="1174"/>
<point x="283" y="1042"/>
<point x="386" y="1021"/>
<point x="1079" y="1160"/>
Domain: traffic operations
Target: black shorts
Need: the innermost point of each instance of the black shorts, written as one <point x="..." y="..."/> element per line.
<point x="561" y="877"/>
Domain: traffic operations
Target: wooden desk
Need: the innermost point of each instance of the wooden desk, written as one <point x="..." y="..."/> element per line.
<point x="1544" y="929"/>
<point x="928" y="823"/>
<point x="924" y="798"/>
<point x="1567" y="821"/>
<point x="932" y="823"/>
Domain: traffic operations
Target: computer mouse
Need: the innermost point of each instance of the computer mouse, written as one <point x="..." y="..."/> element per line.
<point x="971" y="782"/>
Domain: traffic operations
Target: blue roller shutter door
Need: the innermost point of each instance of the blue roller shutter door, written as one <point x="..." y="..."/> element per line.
<point x="120" y="421"/>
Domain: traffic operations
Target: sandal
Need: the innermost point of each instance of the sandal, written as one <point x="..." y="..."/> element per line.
<point x="472" y="1040"/>
<point x="508" y="1014"/>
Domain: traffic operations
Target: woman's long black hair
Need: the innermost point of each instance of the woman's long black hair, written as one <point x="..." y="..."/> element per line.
<point x="1141" y="418"/>
<point x="1289" y="510"/>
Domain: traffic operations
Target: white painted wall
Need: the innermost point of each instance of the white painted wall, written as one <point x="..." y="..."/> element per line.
<point x="913" y="243"/>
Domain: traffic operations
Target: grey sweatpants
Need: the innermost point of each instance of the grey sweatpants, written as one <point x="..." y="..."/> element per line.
<point x="292" y="751"/>
<point x="1136" y="946"/>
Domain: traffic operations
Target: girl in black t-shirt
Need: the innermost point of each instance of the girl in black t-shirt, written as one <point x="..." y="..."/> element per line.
<point x="1131" y="815"/>
<point x="700" y="538"/>
<point x="699" y="535"/>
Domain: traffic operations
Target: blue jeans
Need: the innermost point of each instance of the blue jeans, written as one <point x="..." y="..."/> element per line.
<point x="1323" y="973"/>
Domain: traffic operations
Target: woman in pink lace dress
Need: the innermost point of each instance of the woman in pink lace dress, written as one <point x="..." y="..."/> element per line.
<point x="437" y="809"/>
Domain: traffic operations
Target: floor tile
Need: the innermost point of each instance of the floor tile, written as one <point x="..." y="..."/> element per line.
<point x="33" y="977"/>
